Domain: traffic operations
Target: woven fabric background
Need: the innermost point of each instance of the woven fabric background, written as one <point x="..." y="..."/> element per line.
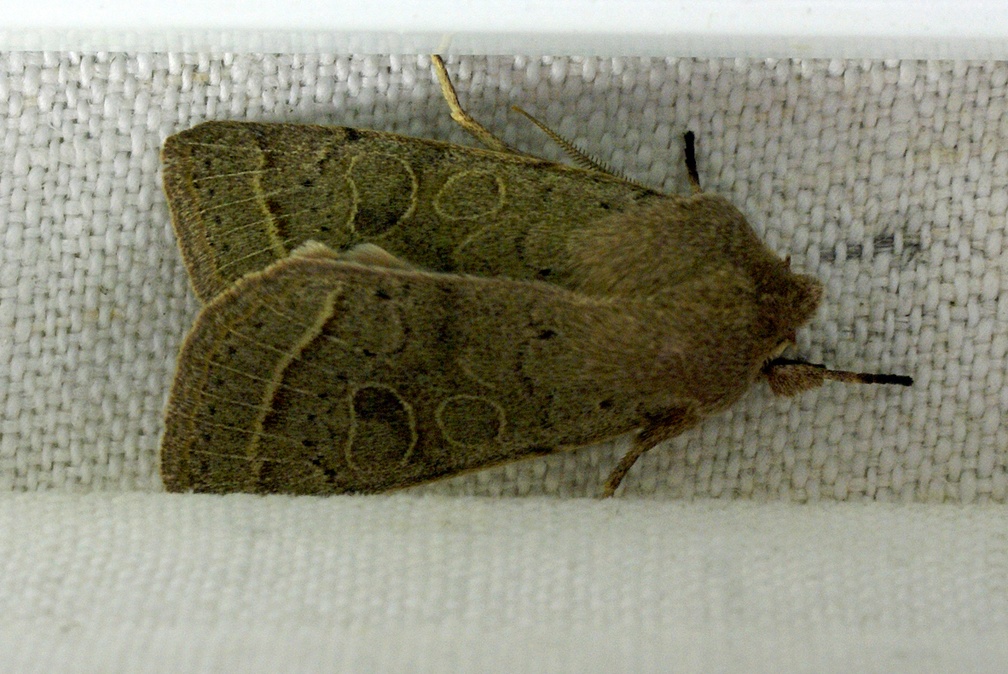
<point x="884" y="180"/>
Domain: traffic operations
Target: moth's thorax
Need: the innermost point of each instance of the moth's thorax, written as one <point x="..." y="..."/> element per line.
<point x="715" y="301"/>
<point x="664" y="242"/>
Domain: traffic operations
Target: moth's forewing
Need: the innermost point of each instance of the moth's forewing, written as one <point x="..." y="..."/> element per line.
<point x="243" y="195"/>
<point x="320" y="376"/>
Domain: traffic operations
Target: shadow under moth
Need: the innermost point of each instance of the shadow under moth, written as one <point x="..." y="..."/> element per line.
<point x="383" y="311"/>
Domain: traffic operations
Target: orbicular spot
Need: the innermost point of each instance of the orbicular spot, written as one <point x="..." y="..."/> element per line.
<point x="470" y="421"/>
<point x="384" y="192"/>
<point x="470" y="195"/>
<point x="382" y="429"/>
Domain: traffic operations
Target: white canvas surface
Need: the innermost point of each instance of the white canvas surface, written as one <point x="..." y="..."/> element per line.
<point x="883" y="179"/>
<point x="160" y="583"/>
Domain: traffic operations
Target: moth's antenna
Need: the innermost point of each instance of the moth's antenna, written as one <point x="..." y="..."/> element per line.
<point x="691" y="169"/>
<point x="580" y="158"/>
<point x="867" y="377"/>
<point x="788" y="377"/>
<point x="577" y="155"/>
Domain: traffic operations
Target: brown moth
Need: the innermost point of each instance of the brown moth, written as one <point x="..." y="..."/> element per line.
<point x="573" y="307"/>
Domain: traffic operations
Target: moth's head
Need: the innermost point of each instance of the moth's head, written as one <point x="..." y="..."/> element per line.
<point x="787" y="307"/>
<point x="783" y="300"/>
<point x="787" y="301"/>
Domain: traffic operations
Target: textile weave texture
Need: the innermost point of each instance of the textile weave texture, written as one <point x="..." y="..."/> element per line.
<point x="883" y="179"/>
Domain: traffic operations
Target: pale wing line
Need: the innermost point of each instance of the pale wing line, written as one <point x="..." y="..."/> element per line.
<point x="257" y="223"/>
<point x="242" y="484"/>
<point x="499" y="156"/>
<point x="256" y="197"/>
<point x="200" y="421"/>
<point x="262" y="409"/>
<point x="256" y="432"/>
<point x="257" y="407"/>
<point x="286" y="243"/>
<point x="255" y="148"/>
<point x="253" y="377"/>
<point x="292" y="319"/>
<point x="279" y="369"/>
<point x="509" y="156"/>
<point x="255" y="253"/>
<point x="203" y="421"/>
<point x="248" y="375"/>
<point x="255" y="343"/>
<point x="236" y="174"/>
<point x="296" y="321"/>
<point x="209" y="362"/>
<point x="218" y="322"/>
<point x="263" y="221"/>
<point x="230" y="146"/>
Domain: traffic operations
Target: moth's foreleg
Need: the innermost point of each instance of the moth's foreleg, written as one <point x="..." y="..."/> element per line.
<point x="477" y="130"/>
<point x="623" y="467"/>
<point x="668" y="425"/>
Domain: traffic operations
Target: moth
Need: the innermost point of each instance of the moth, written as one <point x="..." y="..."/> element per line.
<point x="383" y="311"/>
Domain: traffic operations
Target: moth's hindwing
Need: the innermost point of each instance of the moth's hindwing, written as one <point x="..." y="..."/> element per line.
<point x="318" y="376"/>
<point x="243" y="195"/>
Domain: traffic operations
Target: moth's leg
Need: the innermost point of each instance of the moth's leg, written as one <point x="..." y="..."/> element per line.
<point x="623" y="467"/>
<point x="691" y="169"/>
<point x="580" y="158"/>
<point x="477" y="130"/>
<point x="672" y="423"/>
